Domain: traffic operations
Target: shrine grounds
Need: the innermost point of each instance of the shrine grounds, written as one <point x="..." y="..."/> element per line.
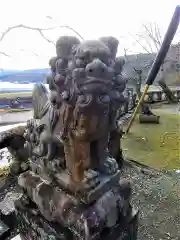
<point x="152" y="163"/>
<point x="156" y="145"/>
<point x="155" y="173"/>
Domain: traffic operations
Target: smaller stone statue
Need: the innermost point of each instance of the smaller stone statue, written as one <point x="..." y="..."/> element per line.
<point x="117" y="99"/>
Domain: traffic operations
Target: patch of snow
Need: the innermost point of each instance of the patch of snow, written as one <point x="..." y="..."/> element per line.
<point x="16" y="237"/>
<point x="8" y="127"/>
<point x="177" y="171"/>
<point x="4" y="157"/>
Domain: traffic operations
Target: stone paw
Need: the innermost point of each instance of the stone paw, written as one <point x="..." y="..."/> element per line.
<point x="109" y="166"/>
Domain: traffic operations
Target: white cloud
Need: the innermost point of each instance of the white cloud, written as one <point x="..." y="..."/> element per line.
<point x="92" y="18"/>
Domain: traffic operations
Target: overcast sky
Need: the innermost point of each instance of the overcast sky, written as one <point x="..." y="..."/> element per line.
<point x="91" y="18"/>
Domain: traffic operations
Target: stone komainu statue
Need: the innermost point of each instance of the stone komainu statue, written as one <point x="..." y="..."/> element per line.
<point x="85" y="91"/>
<point x="73" y="175"/>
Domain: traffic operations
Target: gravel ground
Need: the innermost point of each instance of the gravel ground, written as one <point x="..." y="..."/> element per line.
<point x="156" y="194"/>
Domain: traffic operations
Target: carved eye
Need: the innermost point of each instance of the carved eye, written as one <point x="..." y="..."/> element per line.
<point x="84" y="99"/>
<point x="104" y="99"/>
<point x="90" y="70"/>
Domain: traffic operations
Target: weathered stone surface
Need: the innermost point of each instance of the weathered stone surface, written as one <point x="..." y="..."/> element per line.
<point x="7" y="209"/>
<point x="7" y="204"/>
<point x="123" y="229"/>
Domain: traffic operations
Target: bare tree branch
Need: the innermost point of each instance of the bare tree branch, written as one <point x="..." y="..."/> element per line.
<point x="4" y="54"/>
<point x="151" y="36"/>
<point x="26" y="27"/>
<point x="48" y="40"/>
<point x="139" y="42"/>
<point x="40" y="30"/>
<point x="158" y="34"/>
<point x="141" y="37"/>
<point x="72" y="29"/>
<point x="33" y="53"/>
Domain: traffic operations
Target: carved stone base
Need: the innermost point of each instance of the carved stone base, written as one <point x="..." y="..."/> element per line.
<point x="33" y="225"/>
<point x="93" y="186"/>
<point x="92" y="192"/>
<point x="41" y="201"/>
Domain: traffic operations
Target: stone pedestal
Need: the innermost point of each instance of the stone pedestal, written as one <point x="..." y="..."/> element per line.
<point x="33" y="225"/>
<point x="149" y="119"/>
<point x="49" y="212"/>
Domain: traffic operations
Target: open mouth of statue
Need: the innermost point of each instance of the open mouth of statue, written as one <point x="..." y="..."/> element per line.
<point x="94" y="80"/>
<point x="95" y="83"/>
<point x="95" y="86"/>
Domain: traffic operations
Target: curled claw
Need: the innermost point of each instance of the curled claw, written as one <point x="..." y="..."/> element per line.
<point x="65" y="95"/>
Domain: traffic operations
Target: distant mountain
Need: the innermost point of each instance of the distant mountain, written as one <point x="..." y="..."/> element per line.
<point x="25" y="76"/>
<point x="8" y="72"/>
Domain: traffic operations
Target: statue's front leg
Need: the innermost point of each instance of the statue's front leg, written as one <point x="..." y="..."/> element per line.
<point x="40" y="150"/>
<point x="107" y="164"/>
<point x="77" y="156"/>
<point x="115" y="136"/>
<point x="114" y="144"/>
<point x="51" y="151"/>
